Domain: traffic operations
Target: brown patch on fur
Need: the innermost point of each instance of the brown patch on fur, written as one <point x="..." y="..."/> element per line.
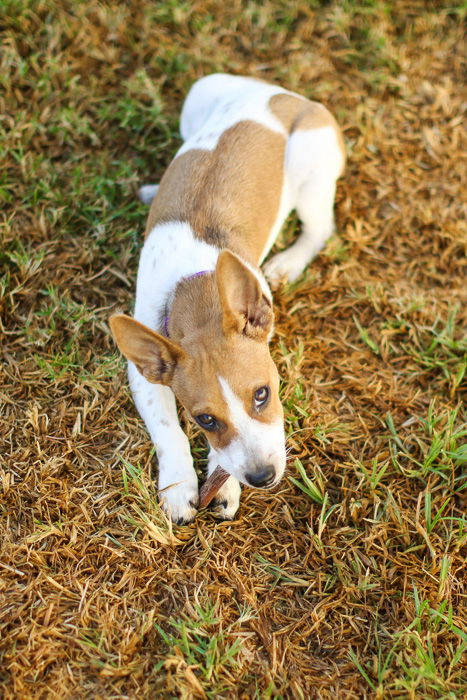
<point x="196" y="326"/>
<point x="230" y="195"/>
<point x="299" y="114"/>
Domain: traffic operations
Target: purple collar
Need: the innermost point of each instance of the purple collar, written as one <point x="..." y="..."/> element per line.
<point x="197" y="274"/>
<point x="190" y="277"/>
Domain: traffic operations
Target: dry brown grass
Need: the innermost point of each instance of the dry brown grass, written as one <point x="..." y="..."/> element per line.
<point x="354" y="592"/>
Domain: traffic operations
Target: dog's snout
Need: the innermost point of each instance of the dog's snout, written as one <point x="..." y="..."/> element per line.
<point x="261" y="477"/>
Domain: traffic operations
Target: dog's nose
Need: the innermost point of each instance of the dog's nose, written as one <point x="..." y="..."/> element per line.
<point x="264" y="476"/>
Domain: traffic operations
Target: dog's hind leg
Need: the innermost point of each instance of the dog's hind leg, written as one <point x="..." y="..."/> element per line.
<point x="146" y="193"/>
<point x="315" y="210"/>
<point x="314" y="161"/>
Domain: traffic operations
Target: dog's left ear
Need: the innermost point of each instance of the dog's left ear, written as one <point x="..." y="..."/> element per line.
<point x="245" y="308"/>
<point x="154" y="356"/>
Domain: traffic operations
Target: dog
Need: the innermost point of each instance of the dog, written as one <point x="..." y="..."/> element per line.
<point x="252" y="152"/>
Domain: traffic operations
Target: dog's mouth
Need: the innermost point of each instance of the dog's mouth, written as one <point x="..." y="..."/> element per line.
<point x="272" y="485"/>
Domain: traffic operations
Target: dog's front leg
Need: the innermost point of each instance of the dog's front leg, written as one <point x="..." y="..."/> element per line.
<point x="178" y="483"/>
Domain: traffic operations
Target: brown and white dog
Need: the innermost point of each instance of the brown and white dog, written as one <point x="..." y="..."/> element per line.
<point x="252" y="152"/>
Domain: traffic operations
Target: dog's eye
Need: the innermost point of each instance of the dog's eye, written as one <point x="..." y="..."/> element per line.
<point x="206" y="421"/>
<point x="261" y="396"/>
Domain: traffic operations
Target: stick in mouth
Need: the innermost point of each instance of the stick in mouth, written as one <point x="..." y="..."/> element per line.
<point x="211" y="486"/>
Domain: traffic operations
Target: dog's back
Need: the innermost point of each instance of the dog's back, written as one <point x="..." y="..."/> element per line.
<point x="228" y="180"/>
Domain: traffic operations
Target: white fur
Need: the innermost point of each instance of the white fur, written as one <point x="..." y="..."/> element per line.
<point x="219" y="101"/>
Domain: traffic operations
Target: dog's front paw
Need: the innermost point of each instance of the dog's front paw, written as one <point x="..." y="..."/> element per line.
<point x="286" y="266"/>
<point x="227" y="500"/>
<point x="180" y="501"/>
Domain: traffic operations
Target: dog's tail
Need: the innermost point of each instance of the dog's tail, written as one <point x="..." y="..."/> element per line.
<point x="146" y="193"/>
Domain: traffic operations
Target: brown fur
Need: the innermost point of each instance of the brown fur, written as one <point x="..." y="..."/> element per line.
<point x="297" y="114"/>
<point x="230" y="195"/>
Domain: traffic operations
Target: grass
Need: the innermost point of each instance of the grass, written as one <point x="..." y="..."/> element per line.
<point x="199" y="641"/>
<point x="440" y="448"/>
<point x="313" y="489"/>
<point x="348" y="580"/>
<point x="422" y="672"/>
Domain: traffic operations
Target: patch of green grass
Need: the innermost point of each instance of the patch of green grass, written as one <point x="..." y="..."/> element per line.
<point x="316" y="531"/>
<point x="374" y="474"/>
<point x="58" y="309"/>
<point x="437" y="351"/>
<point x="442" y="349"/>
<point x="201" y="641"/>
<point x="61" y="365"/>
<point x="24" y="257"/>
<point x="435" y="445"/>
<point x="313" y="489"/>
<point x="433" y="515"/>
<point x="367" y="339"/>
<point x="295" y="397"/>
<point x="140" y="111"/>
<point x="369" y="46"/>
<point x="410" y="662"/>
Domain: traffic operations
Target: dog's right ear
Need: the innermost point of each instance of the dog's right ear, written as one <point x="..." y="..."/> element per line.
<point x="245" y="308"/>
<point x="154" y="356"/>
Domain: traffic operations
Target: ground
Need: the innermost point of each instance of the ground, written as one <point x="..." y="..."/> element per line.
<point x="347" y="581"/>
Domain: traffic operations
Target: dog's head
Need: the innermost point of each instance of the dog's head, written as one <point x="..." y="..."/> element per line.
<point x="222" y="374"/>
